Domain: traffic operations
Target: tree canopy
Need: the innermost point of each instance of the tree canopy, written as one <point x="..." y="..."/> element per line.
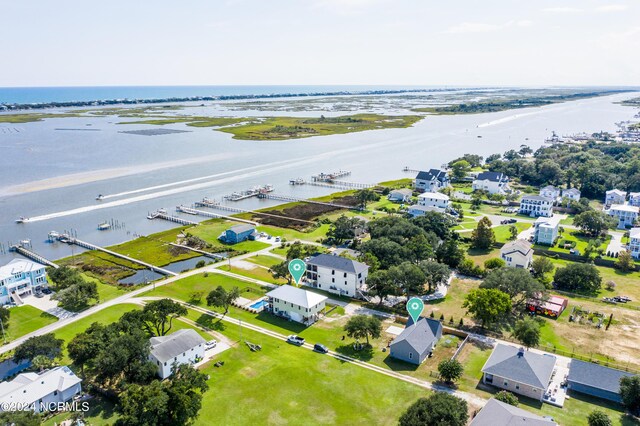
<point x="437" y="410"/>
<point x="483" y="236"/>
<point x="488" y="305"/>
<point x="46" y="345"/>
<point x="516" y="282"/>
<point x="581" y="277"/>
<point x="363" y="326"/>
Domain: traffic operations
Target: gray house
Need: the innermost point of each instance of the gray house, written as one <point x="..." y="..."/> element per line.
<point x="516" y="370"/>
<point x="496" y="413"/>
<point x="416" y="341"/>
<point x="595" y="380"/>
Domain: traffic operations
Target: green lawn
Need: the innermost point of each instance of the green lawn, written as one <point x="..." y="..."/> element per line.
<point x="210" y="230"/>
<point x="316" y="235"/>
<point x="257" y="273"/>
<point x="264" y="260"/>
<point x="155" y="248"/>
<point x="25" y="319"/>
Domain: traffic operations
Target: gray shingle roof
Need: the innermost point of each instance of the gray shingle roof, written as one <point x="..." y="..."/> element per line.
<point x="496" y="413"/>
<point x="521" y="366"/>
<point x="241" y="228"/>
<point x="537" y="198"/>
<point x="164" y="348"/>
<point x="596" y="376"/>
<point x="420" y="335"/>
<point x="522" y="246"/>
<point x="432" y="174"/>
<point x="338" y="263"/>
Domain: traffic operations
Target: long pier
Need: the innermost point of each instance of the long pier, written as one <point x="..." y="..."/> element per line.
<point x="334" y="184"/>
<point x="71" y="240"/>
<point x="189" y="210"/>
<point x="239" y="210"/>
<point x="291" y="199"/>
<point x="33" y="255"/>
<point x="202" y="252"/>
<point x="161" y="214"/>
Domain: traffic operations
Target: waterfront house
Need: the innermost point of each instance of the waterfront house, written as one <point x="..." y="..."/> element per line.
<point x="634" y="242"/>
<point x="184" y="346"/>
<point x="431" y="181"/>
<point x="516" y="370"/>
<point x="595" y="380"/>
<point x="497" y="413"/>
<point x="239" y="233"/>
<point x="572" y="194"/>
<point x="625" y="214"/>
<point x="296" y="304"/>
<point x="434" y="199"/>
<point x="550" y="191"/>
<point x="337" y="274"/>
<point x="418" y="210"/>
<point x="546" y="230"/>
<point x="21" y="278"/>
<point x="416" y="341"/>
<point x="400" y="195"/>
<point x="536" y="205"/>
<point x="614" y="196"/>
<point x="634" y="199"/>
<point x="517" y="254"/>
<point x="39" y="390"/>
<point x="492" y="182"/>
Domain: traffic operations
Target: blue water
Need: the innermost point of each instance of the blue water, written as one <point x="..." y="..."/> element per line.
<point x="27" y="95"/>
<point x="259" y="304"/>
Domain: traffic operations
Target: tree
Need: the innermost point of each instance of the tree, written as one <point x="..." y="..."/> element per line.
<point x="494" y="263"/>
<point x="159" y="314"/>
<point x="488" y="305"/>
<point x="5" y="314"/>
<point x="19" y="418"/>
<point x="483" y="237"/>
<point x="527" y="331"/>
<point x="513" y="232"/>
<point x="86" y="346"/>
<point x="408" y="276"/>
<point x="281" y="270"/>
<point x="125" y="359"/>
<point x="593" y="222"/>
<point x="64" y="276"/>
<point x="516" y="282"/>
<point x="363" y="326"/>
<point x="507" y="397"/>
<point x="598" y="418"/>
<point x="630" y="393"/>
<point x="184" y="389"/>
<point x="460" y="168"/>
<point x="420" y="247"/>
<point x="541" y="266"/>
<point x="143" y="405"/>
<point x="78" y="296"/>
<point x="221" y="298"/>
<point x="41" y="362"/>
<point x="388" y="252"/>
<point x="344" y="228"/>
<point x="382" y="284"/>
<point x="582" y="277"/>
<point x="200" y="264"/>
<point x="364" y="196"/>
<point x="450" y="253"/>
<point x="450" y="370"/>
<point x="438" y="410"/>
<point x="625" y="262"/>
<point x="435" y="273"/>
<point x="46" y="345"/>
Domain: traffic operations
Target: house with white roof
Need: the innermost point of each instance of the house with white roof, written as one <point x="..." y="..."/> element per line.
<point x="517" y="254"/>
<point x="572" y="194"/>
<point x="634" y="242"/>
<point x="536" y="206"/>
<point x="400" y="195"/>
<point x="614" y="196"/>
<point x="431" y="181"/>
<point x="434" y="199"/>
<point x="336" y="274"/>
<point x="625" y="214"/>
<point x="550" y="191"/>
<point x="418" y="210"/>
<point x="184" y="346"/>
<point x="492" y="182"/>
<point x="40" y="391"/>
<point x="21" y="278"/>
<point x="634" y="199"/>
<point x="546" y="230"/>
<point x="296" y="304"/>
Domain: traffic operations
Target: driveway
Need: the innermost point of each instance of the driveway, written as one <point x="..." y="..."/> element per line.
<point x="615" y="244"/>
<point x="46" y="304"/>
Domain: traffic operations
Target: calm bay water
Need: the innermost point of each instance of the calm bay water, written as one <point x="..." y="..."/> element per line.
<point x="139" y="174"/>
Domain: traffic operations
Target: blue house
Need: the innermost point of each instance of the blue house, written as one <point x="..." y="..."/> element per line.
<point x="21" y="278"/>
<point x="239" y="233"/>
<point x="595" y="380"/>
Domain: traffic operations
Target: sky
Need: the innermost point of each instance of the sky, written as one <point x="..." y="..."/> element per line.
<point x="305" y="42"/>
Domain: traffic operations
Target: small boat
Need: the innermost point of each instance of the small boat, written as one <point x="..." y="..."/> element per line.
<point x="22" y="219"/>
<point x="100" y="197"/>
<point x="104" y="226"/>
<point x="479" y="136"/>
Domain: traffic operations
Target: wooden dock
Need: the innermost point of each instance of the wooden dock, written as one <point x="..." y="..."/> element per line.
<point x="32" y="255"/>
<point x="335" y="184"/>
<point x="162" y="214"/>
<point x="189" y="210"/>
<point x="72" y="240"/>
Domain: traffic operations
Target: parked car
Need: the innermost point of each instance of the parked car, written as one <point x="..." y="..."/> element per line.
<point x="295" y="340"/>
<point x="210" y="344"/>
<point x="320" y="348"/>
<point x="277" y="239"/>
<point x="47" y="291"/>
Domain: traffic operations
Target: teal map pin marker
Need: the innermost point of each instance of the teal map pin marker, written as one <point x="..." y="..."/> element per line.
<point x="415" y="307"/>
<point x="297" y="268"/>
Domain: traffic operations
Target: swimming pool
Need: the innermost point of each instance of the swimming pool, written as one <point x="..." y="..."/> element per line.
<point x="260" y="304"/>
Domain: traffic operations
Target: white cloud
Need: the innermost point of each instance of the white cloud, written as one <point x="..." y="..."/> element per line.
<point x="345" y="6"/>
<point x="562" y="10"/>
<point x="612" y="8"/>
<point x="479" y="27"/>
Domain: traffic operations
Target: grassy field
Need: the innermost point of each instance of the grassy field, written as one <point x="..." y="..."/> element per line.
<point x="577" y="240"/>
<point x="256" y="272"/>
<point x="31" y="117"/>
<point x="264" y="260"/>
<point x="191" y="121"/>
<point x="155" y="248"/>
<point x="281" y="128"/>
<point x="210" y="230"/>
<point x="25" y="319"/>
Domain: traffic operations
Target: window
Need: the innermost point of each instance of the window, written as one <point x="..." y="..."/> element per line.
<point x="410" y="355"/>
<point x="345" y="275"/>
<point x="333" y="272"/>
<point x="55" y="393"/>
<point x="333" y="280"/>
<point x="506" y="383"/>
<point x="517" y="386"/>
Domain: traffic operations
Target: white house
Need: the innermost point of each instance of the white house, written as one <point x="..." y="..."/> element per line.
<point x="21" y="278"/>
<point x="536" y="205"/>
<point x="418" y="210"/>
<point x="180" y="347"/>
<point x="336" y="274"/>
<point x="614" y="196"/>
<point x="546" y="230"/>
<point x="492" y="182"/>
<point x="434" y="199"/>
<point x="431" y="181"/>
<point x="40" y="391"/>
<point x="550" y="191"/>
<point x="400" y="195"/>
<point x="624" y="213"/>
<point x="517" y="254"/>
<point x="634" y="199"/>
<point x="572" y="194"/>
<point x="634" y="242"/>
<point x="296" y="304"/>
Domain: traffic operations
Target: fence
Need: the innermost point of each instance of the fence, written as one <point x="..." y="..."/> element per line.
<point x="574" y="258"/>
